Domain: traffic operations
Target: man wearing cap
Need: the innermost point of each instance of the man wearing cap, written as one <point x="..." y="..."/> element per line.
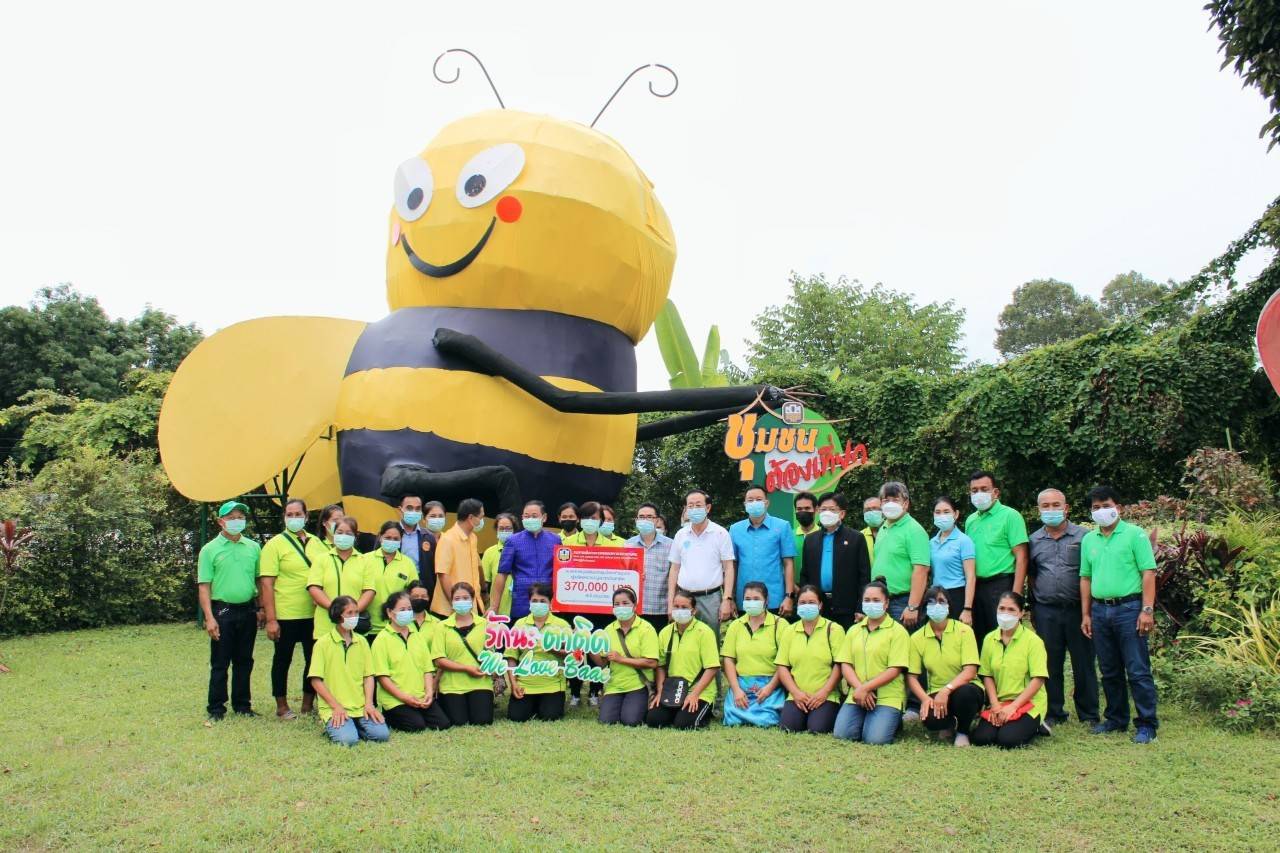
<point x="227" y="575"/>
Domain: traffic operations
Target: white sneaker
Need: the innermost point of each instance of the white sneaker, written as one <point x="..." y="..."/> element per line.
<point x="574" y="701"/>
<point x="593" y="700"/>
<point x="962" y="739"/>
<point x="911" y="716"/>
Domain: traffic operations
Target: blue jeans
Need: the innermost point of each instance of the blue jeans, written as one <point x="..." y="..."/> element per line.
<point x="1122" y="653"/>
<point x="877" y="726"/>
<point x="356" y="729"/>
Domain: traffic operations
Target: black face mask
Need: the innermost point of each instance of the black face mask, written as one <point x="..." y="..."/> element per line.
<point x="568" y="525"/>
<point x="420" y="605"/>
<point x="804" y="517"/>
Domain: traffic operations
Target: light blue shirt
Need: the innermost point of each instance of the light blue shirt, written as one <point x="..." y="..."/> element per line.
<point x="759" y="552"/>
<point x="947" y="558"/>
<point x="828" y="549"/>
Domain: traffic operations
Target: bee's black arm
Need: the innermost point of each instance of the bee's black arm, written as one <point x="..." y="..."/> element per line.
<point x="721" y="401"/>
<point x="682" y="423"/>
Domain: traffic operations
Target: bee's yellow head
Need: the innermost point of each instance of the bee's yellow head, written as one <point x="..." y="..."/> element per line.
<point x="507" y="209"/>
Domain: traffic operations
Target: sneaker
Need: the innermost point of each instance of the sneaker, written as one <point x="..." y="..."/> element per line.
<point x="1105" y="729"/>
<point x="1045" y="729"/>
<point x="1145" y="735"/>
<point x="575" y="701"/>
<point x="961" y="739"/>
<point x="249" y="713"/>
<point x="593" y="700"/>
<point x="911" y="716"/>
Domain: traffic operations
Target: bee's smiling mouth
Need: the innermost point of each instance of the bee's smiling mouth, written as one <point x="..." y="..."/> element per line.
<point x="450" y="268"/>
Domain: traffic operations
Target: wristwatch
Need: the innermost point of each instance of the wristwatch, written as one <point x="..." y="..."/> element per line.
<point x="913" y="608"/>
<point x="966" y="608"/>
<point x="1148" y="609"/>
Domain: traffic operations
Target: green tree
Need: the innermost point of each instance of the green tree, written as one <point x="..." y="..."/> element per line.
<point x="1250" y="36"/>
<point x="1129" y="294"/>
<point x="1044" y="311"/>
<point x="850" y="326"/>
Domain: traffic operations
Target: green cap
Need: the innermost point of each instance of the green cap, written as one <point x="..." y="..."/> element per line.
<point x="230" y="505"/>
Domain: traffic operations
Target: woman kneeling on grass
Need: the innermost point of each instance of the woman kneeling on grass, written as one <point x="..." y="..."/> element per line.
<point x="342" y="675"/>
<point x="688" y="652"/>
<point x="538" y="695"/>
<point x="1014" y="669"/>
<point x="946" y="650"/>
<point x="807" y="667"/>
<point x="406" y="675"/>
<point x="466" y="692"/>
<point x="633" y="653"/>
<point x="875" y="653"/>
<point x="749" y="655"/>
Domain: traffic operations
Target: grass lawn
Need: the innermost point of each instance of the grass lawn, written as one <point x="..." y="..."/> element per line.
<point x="105" y="745"/>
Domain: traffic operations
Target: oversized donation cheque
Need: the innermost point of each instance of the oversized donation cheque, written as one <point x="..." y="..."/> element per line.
<point x="585" y="577"/>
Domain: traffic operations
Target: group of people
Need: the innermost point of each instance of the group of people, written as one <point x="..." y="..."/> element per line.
<point x="816" y="627"/>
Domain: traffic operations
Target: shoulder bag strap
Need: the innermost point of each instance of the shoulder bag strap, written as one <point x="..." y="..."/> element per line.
<point x="298" y="547"/>
<point x="643" y="673"/>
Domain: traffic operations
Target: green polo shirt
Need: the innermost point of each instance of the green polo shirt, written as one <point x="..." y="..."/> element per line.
<point x="336" y="578"/>
<point x="872" y="652"/>
<point x="944" y="657"/>
<point x="642" y="640"/>
<point x="799" y="557"/>
<point x="1114" y="563"/>
<point x="282" y="559"/>
<point x="466" y="651"/>
<point x="811" y="656"/>
<point x="687" y="655"/>
<point x="754" y="652"/>
<point x="1014" y="665"/>
<point x="343" y="668"/>
<point x="405" y="660"/>
<point x="995" y="533"/>
<point x="230" y="568"/>
<point x="536" y="685"/>
<point x="900" y="546"/>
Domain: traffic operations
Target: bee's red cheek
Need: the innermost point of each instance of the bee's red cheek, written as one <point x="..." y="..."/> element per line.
<point x="509" y="208"/>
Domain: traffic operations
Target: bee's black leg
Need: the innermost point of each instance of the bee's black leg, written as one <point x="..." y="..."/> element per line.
<point x="682" y="423"/>
<point x="495" y="485"/>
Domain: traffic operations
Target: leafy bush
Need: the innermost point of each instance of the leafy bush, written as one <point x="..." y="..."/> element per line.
<point x="1237" y="696"/>
<point x="1218" y="481"/>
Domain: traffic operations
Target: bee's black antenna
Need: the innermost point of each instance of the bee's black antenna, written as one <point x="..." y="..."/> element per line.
<point x="458" y="71"/>
<point x="675" y="84"/>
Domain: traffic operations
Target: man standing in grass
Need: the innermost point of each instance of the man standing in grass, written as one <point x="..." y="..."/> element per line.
<point x="227" y="575"/>
<point x="1117" y="603"/>
<point x="1000" y="539"/>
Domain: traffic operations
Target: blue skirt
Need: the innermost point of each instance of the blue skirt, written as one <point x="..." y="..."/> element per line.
<point x="755" y="714"/>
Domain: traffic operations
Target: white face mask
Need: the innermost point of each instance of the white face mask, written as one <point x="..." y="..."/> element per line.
<point x="827" y="518"/>
<point x="1007" y="621"/>
<point x="350" y="622"/>
<point x="981" y="500"/>
<point x="892" y="510"/>
<point x="682" y="615"/>
<point x="1105" y="516"/>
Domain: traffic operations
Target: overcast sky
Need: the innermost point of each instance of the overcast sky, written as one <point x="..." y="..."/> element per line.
<point x="236" y="161"/>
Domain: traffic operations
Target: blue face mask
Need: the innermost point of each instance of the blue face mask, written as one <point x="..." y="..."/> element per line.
<point x="755" y="509"/>
<point x="462" y="606"/>
<point x="404" y="617"/>
<point x="623" y="612"/>
<point x="873" y="609"/>
<point x="753" y="606"/>
<point x="644" y="526"/>
<point x="937" y="612"/>
<point x="412" y="517"/>
<point x="606" y="528"/>
<point x="697" y="515"/>
<point x="873" y="517"/>
<point x="590" y="526"/>
<point x="944" y="522"/>
<point x="539" y="608"/>
<point x="479" y="525"/>
<point x="235" y="526"/>
<point x="503" y="536"/>
<point x="436" y="524"/>
<point x="295" y="525"/>
<point x="533" y="525"/>
<point x="1052" y="517"/>
<point x="344" y="541"/>
<point x="808" y="612"/>
<point x="391" y="546"/>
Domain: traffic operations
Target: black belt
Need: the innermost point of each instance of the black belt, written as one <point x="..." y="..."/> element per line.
<point x="1124" y="599"/>
<point x="1005" y="576"/>
<point x="1073" y="605"/>
<point x="231" y="604"/>
<point x="698" y="593"/>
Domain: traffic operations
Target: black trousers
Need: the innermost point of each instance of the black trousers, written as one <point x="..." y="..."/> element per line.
<point x="819" y="721"/>
<point x="955" y="600"/>
<point x="963" y="706"/>
<point x="657" y="620"/>
<point x="679" y="718"/>
<point x="233" y="650"/>
<point x="985" y="598"/>
<point x="292" y="632"/>
<point x="626" y="708"/>
<point x="404" y="718"/>
<point x="1010" y="735"/>
<point x="843" y="618"/>
<point x="542" y="706"/>
<point x="474" y="708"/>
<point x="1059" y="626"/>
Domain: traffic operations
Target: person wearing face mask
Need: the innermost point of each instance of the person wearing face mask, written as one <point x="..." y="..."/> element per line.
<point x="873" y="657"/>
<point x="632" y="658"/>
<point x="434" y="521"/>
<point x="952" y="559"/>
<point x="458" y="557"/>
<point x="687" y="649"/>
<point x="595" y="529"/>
<point x="567" y="518"/>
<point x="749" y="659"/>
<point x="537" y="696"/>
<point x="389" y="570"/>
<point x="837" y="562"/>
<point x="526" y="559"/>
<point x="423" y="621"/>
<point x="806" y="510"/>
<point x="343" y="573"/>
<point x="1013" y="669"/>
<point x="808" y="669"/>
<point x="411" y="533"/>
<point x="342" y="674"/>
<point x="1000" y="543"/>
<point x="1117" y="603"/>
<point x="505" y="527"/>
<point x="283" y="567"/>
<point x="946" y="653"/>
<point x="657" y="564"/>
<point x="702" y="562"/>
<point x="873" y="518"/>
<point x="404" y="670"/>
<point x="1053" y="575"/>
<point x="901" y="555"/>
<point x="764" y="550"/>
<point x="466" y="692"/>
<point x="227" y="575"/>
<point x="661" y="526"/>
<point x="327" y="521"/>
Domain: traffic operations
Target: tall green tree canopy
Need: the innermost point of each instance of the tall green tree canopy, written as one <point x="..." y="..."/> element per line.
<point x="1250" y="34"/>
<point x="1129" y="294"/>
<point x="1044" y="311"/>
<point x="850" y="326"/>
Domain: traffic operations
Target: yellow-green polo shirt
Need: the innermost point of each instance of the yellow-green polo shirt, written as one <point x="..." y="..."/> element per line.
<point x="386" y="579"/>
<point x="489" y="567"/>
<point x="869" y="534"/>
<point x="337" y="578"/>
<point x="872" y="652"/>
<point x="995" y="531"/>
<point x="538" y="684"/>
<point x="900" y="546"/>
<point x="344" y="669"/>
<point x="811" y="656"/>
<point x="754" y="652"/>
<point x="1013" y="666"/>
<point x="280" y="560"/>
<point x="602" y="541"/>
<point x="1115" y="563"/>
<point x="450" y="644"/>
<point x="943" y="658"/>
<point x="642" y="640"/>
<point x="687" y="655"/>
<point x="405" y="660"/>
<point x="230" y="569"/>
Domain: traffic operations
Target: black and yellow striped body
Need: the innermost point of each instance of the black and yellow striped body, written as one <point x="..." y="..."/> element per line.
<point x="403" y="402"/>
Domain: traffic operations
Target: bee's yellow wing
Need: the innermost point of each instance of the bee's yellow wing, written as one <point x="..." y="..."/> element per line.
<point x="251" y="399"/>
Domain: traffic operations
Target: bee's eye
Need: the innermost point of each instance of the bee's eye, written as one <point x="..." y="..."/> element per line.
<point x="413" y="188"/>
<point x="489" y="173"/>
